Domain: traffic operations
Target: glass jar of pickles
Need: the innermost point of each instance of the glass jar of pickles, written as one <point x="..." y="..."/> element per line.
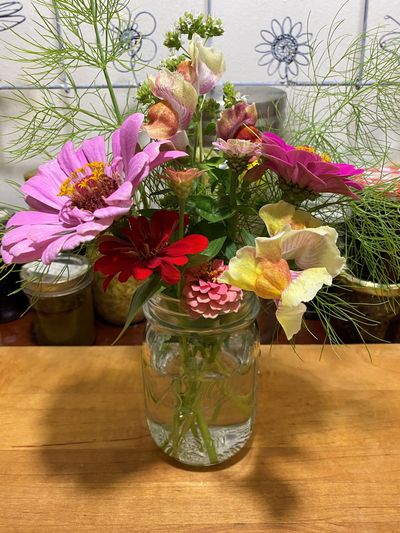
<point x="60" y="295"/>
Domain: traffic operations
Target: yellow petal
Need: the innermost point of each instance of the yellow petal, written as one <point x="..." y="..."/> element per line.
<point x="242" y="271"/>
<point x="305" y="286"/>
<point x="313" y="247"/>
<point x="290" y="318"/>
<point x="277" y="216"/>
<point x="269" y="247"/>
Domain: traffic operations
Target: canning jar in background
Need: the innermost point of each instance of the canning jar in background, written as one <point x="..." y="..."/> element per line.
<point x="12" y="301"/>
<point x="61" y="298"/>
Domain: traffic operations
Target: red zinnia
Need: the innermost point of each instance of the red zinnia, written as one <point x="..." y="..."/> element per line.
<point x="147" y="250"/>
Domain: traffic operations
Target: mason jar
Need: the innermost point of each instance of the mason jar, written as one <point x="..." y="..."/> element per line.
<point x="60" y="295"/>
<point x="199" y="379"/>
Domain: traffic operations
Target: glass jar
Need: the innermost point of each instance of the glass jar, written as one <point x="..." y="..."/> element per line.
<point x="60" y="295"/>
<point x="199" y="380"/>
<point x="12" y="301"/>
<point x="113" y="304"/>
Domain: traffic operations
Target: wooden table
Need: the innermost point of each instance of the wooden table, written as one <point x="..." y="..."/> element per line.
<point x="76" y="455"/>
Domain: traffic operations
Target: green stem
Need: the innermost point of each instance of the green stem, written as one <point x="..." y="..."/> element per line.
<point x="93" y="5"/>
<point x="181" y="231"/>
<point x="200" y="127"/>
<point x="207" y="438"/>
<point x="143" y="196"/>
<point x="233" y="204"/>
<point x="112" y="95"/>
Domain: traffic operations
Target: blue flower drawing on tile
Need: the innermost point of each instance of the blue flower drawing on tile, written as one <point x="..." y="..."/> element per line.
<point x="133" y="34"/>
<point x="390" y="41"/>
<point x="285" y="47"/>
<point x="10" y="15"/>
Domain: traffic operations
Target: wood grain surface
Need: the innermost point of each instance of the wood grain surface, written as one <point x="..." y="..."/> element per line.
<point x="76" y="455"/>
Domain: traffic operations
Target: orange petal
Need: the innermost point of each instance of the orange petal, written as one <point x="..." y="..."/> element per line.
<point x="163" y="121"/>
<point x="273" y="279"/>
<point x="186" y="69"/>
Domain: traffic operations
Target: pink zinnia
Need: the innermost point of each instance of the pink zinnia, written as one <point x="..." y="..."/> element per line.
<point x="205" y="296"/>
<point x="306" y="169"/>
<point x="78" y="195"/>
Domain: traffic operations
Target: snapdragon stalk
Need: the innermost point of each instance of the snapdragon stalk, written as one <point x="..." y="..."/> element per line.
<point x="233" y="204"/>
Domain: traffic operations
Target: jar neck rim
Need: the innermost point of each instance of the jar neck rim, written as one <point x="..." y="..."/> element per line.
<point x="171" y="313"/>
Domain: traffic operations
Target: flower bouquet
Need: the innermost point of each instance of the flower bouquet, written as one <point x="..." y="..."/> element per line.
<point x="206" y="231"/>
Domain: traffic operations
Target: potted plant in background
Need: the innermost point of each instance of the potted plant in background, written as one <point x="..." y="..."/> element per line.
<point x="371" y="244"/>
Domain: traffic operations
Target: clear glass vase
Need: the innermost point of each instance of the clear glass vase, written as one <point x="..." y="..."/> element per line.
<point x="199" y="380"/>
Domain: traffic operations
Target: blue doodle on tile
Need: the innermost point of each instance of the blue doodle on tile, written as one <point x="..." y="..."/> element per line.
<point x="285" y="47"/>
<point x="133" y="34"/>
<point x="10" y="15"/>
<point x="390" y="41"/>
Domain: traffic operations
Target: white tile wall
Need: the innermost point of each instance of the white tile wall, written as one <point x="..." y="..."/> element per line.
<point x="247" y="23"/>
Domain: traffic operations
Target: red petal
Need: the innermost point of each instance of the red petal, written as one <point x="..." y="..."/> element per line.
<point x="140" y="272"/>
<point x="124" y="276"/>
<point x="191" y="244"/>
<point x="107" y="281"/>
<point x="163" y="224"/>
<point x="179" y="260"/>
<point x="138" y="231"/>
<point x="110" y="244"/>
<point x="169" y="274"/>
<point x="154" y="262"/>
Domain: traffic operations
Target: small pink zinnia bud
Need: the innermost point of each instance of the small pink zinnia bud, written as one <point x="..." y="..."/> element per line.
<point x="181" y="180"/>
<point x="205" y="296"/>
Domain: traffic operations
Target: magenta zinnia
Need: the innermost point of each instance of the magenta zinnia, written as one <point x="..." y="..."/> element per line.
<point x="303" y="168"/>
<point x="79" y="194"/>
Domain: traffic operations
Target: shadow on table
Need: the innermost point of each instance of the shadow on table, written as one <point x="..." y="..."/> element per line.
<point x="291" y="417"/>
<point x="95" y="433"/>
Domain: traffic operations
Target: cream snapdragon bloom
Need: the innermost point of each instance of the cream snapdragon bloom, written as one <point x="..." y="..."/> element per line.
<point x="264" y="269"/>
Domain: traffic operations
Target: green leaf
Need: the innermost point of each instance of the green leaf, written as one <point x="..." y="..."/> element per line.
<point x="211" y="209"/>
<point x="210" y="128"/>
<point x="210" y="252"/>
<point x="212" y="162"/>
<point x="214" y="247"/>
<point x="247" y="210"/>
<point x="230" y="250"/>
<point x="140" y="296"/>
<point x="247" y="237"/>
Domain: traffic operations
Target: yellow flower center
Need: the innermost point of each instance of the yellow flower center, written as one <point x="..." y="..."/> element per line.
<point x="86" y="176"/>
<point x="89" y="186"/>
<point x="305" y="148"/>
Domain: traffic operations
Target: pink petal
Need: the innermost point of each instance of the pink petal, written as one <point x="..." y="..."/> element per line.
<point x="125" y="139"/>
<point x="94" y="149"/>
<point x="70" y="159"/>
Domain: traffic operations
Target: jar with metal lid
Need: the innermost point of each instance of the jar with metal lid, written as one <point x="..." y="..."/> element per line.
<point x="61" y="298"/>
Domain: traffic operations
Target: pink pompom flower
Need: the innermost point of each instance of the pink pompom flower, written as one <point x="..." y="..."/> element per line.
<point x="204" y="296"/>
